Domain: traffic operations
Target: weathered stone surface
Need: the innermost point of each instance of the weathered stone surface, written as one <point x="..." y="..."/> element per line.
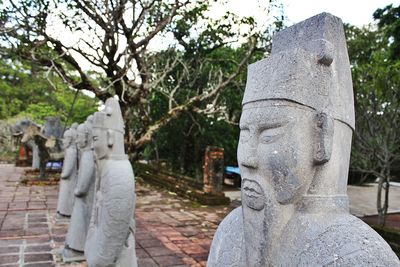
<point x="213" y="170"/>
<point x="110" y="240"/>
<point x="52" y="127"/>
<point x="84" y="194"/>
<point x="293" y="154"/>
<point x="66" y="195"/>
<point x="18" y="131"/>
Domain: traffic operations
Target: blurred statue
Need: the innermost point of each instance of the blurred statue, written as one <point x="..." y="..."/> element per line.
<point x="84" y="194"/>
<point x="66" y="195"/>
<point x="110" y="240"/>
<point x="44" y="142"/>
<point x="18" y="132"/>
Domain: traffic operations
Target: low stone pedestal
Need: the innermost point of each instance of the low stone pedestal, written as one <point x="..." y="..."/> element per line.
<point x="70" y="255"/>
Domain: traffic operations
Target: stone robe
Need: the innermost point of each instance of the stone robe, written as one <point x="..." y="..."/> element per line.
<point x="67" y="182"/>
<point x="110" y="240"/>
<point x="333" y="238"/>
<point x="84" y="192"/>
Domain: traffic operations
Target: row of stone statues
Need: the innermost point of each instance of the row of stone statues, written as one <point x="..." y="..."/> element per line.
<point x="97" y="190"/>
<point x="294" y="148"/>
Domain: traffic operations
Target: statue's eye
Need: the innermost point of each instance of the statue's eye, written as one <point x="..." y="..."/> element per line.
<point x="244" y="135"/>
<point x="95" y="138"/>
<point x="270" y="135"/>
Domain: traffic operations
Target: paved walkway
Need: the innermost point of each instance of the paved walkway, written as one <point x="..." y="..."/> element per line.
<point x="171" y="231"/>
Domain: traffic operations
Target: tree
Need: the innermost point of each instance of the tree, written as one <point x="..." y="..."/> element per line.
<point x="114" y="37"/>
<point x="377" y="93"/>
<point x="26" y="92"/>
<point x="216" y="124"/>
<point x="389" y="20"/>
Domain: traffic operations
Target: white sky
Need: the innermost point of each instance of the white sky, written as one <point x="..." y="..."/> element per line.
<point x="356" y="12"/>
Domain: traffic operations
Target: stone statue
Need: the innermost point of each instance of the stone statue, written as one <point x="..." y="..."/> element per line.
<point x="68" y="175"/>
<point x="293" y="153"/>
<point x="18" y="131"/>
<point x="110" y="240"/>
<point x="84" y="194"/>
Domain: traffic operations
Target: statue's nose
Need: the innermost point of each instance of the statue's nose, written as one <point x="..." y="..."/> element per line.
<point x="249" y="159"/>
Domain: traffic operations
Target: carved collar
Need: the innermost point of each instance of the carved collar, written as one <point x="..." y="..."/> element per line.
<point x="324" y="204"/>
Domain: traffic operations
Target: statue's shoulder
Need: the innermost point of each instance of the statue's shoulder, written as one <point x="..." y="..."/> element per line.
<point x="227" y="245"/>
<point x="341" y="241"/>
<point x="119" y="168"/>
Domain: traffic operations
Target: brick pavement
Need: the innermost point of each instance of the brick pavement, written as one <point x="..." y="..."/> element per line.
<point x="171" y="231"/>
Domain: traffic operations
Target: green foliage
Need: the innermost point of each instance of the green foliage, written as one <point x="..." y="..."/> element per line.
<point x="375" y="64"/>
<point x="182" y="142"/>
<point x="377" y="100"/>
<point x="25" y="92"/>
<point x="389" y="21"/>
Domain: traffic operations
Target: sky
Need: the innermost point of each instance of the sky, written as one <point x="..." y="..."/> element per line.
<point x="356" y="12"/>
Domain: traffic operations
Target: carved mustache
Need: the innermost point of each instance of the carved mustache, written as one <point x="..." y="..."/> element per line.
<point x="252" y="189"/>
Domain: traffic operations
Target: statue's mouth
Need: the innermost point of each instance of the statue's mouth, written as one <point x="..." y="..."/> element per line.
<point x="254" y="196"/>
<point x="252" y="190"/>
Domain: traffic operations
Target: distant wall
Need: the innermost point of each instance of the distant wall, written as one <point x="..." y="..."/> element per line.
<point x="182" y="185"/>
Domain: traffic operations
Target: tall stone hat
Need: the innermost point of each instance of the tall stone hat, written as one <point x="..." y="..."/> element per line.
<point x="308" y="65"/>
<point x="110" y="117"/>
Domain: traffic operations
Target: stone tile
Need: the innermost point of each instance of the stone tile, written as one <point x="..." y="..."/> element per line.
<point x="11" y="226"/>
<point x="59" y="231"/>
<point x="60" y="239"/>
<point x="37" y="225"/>
<point x="4" y="259"/>
<point x="159" y="251"/>
<point x="200" y="256"/>
<point x="36" y="231"/>
<point x="37" y="220"/>
<point x="141" y="253"/>
<point x="9" y="250"/>
<point x="38" y="240"/>
<point x="44" y="264"/>
<point x="147" y="243"/>
<point x="168" y="260"/>
<point x="11" y="233"/>
<point x="28" y="258"/>
<point x="17" y="205"/>
<point x="172" y="247"/>
<point x="38" y="248"/>
<point x="148" y="262"/>
<point x="192" y="249"/>
<point x="11" y="242"/>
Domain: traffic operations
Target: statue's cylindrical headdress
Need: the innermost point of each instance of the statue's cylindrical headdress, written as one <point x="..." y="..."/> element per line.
<point x="110" y="118"/>
<point x="69" y="133"/>
<point x="308" y="65"/>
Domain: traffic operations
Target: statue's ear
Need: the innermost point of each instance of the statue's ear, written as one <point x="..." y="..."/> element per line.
<point x="110" y="138"/>
<point x="323" y="137"/>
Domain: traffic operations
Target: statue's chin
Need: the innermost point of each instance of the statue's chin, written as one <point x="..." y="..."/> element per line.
<point x="254" y="203"/>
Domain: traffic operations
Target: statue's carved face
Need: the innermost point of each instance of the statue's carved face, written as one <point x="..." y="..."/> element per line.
<point x="67" y="141"/>
<point x="275" y="152"/>
<point x="81" y="139"/>
<point x="100" y="144"/>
